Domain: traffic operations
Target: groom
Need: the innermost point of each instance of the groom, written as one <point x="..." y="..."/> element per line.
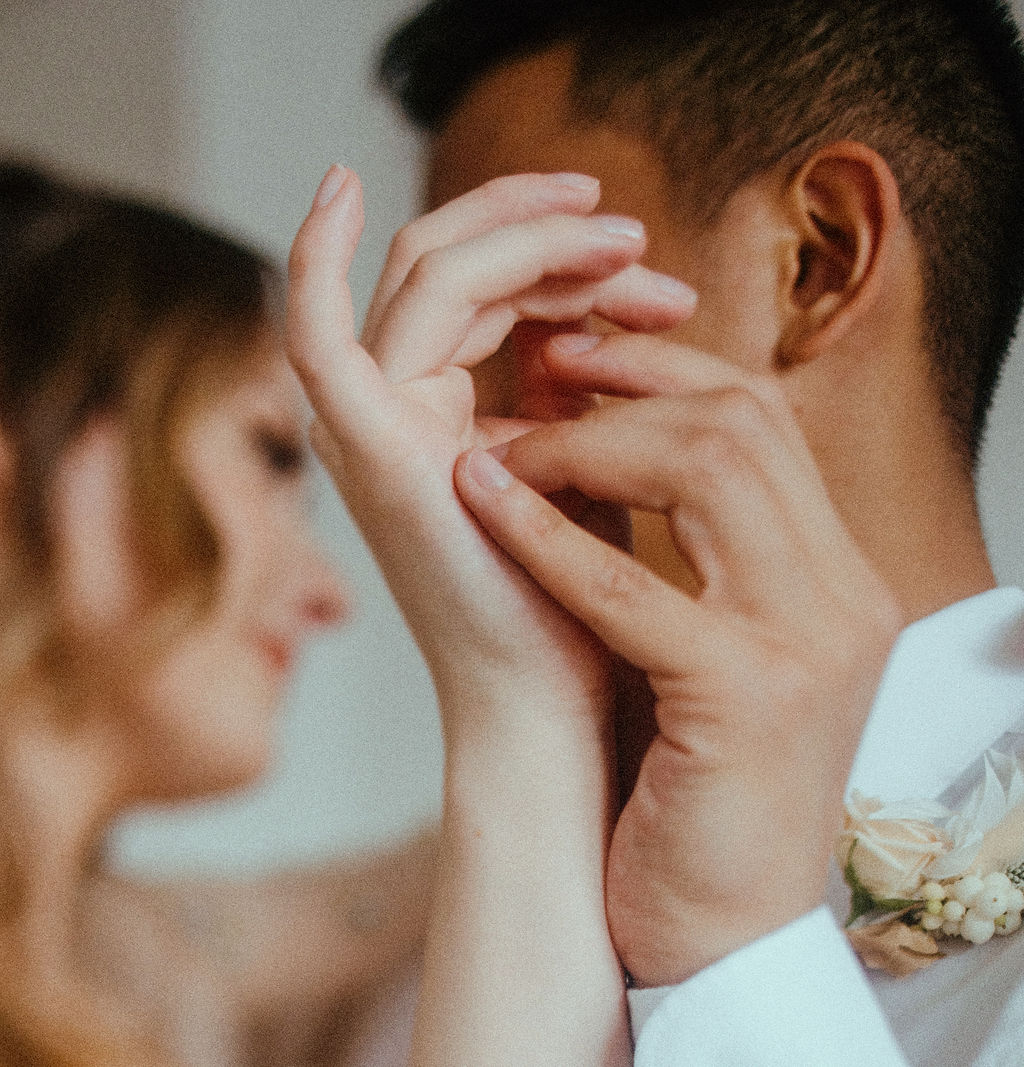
<point x="843" y="185"/>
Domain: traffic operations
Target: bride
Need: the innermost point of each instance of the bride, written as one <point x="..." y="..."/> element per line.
<point x="158" y="578"/>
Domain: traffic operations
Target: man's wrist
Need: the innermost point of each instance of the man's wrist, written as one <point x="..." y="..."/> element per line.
<point x="667" y="954"/>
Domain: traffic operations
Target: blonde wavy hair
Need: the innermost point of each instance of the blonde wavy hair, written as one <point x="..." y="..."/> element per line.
<point x="108" y="307"/>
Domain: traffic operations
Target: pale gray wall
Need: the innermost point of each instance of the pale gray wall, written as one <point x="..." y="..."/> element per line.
<point x="91" y="83"/>
<point x="235" y="108"/>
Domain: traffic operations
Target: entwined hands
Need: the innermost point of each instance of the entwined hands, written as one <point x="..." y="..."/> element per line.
<point x="762" y="680"/>
<point x="395" y="411"/>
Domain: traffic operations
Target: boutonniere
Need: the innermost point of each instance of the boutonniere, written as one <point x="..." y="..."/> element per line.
<point x="920" y="873"/>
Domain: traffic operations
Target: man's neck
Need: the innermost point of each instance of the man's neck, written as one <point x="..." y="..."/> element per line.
<point x="937" y="568"/>
<point x="922" y="531"/>
<point x="883" y="444"/>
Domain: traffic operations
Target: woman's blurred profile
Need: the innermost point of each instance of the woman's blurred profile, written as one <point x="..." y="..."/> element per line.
<point x="158" y="577"/>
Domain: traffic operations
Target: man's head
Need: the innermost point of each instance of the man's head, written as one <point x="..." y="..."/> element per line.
<point x="719" y="95"/>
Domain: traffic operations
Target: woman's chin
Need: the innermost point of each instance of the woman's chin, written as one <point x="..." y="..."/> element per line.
<point x="205" y="766"/>
<point x="239" y="768"/>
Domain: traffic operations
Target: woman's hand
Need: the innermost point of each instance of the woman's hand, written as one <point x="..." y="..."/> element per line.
<point x="395" y="411"/>
<point x="762" y="680"/>
<point x="519" y="966"/>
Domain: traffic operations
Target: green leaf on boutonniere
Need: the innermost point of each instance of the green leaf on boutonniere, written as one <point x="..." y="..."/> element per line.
<point x="861" y="901"/>
<point x="897" y="904"/>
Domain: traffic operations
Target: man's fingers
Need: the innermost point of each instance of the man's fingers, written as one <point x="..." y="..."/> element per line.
<point x="501" y="202"/>
<point x="741" y="512"/>
<point x="339" y="377"/>
<point x="646" y="620"/>
<point x="636" y="367"/>
<point x="619" y="365"/>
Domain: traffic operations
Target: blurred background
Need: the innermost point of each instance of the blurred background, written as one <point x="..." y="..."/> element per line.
<point x="233" y="109"/>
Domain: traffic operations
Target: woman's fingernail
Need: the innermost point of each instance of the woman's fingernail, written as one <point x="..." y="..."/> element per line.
<point x="576" y="181"/>
<point x="620" y="226"/>
<point x="333" y="180"/>
<point x="676" y="289"/>
<point x="486" y="471"/>
<point x="575" y="344"/>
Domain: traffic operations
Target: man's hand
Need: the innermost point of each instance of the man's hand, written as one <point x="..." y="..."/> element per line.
<point x="763" y="680"/>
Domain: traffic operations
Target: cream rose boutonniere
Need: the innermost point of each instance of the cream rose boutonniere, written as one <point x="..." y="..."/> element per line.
<point x="893" y="844"/>
<point x="919" y="872"/>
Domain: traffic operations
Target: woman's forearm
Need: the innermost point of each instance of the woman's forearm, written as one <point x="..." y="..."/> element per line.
<point x="519" y="966"/>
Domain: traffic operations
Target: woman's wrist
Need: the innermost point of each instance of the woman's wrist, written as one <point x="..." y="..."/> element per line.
<point x="526" y="731"/>
<point x="548" y="760"/>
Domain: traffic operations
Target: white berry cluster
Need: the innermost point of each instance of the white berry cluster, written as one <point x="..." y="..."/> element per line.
<point x="972" y="907"/>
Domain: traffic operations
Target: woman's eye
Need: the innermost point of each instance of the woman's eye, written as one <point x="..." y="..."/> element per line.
<point x="282" y="454"/>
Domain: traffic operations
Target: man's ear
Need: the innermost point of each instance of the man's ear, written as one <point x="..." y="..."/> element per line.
<point x="845" y="206"/>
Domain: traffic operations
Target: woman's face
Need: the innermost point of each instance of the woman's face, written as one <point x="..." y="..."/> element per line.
<point x="200" y="717"/>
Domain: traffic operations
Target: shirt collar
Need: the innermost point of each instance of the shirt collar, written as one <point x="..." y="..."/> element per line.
<point x="953" y="686"/>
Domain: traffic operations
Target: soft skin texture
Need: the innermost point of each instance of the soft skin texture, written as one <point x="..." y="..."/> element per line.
<point x="523" y="687"/>
<point x="811" y="499"/>
<point x="759" y="706"/>
<point x="201" y="714"/>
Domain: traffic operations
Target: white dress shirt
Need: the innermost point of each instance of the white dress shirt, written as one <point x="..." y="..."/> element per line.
<point x="953" y="687"/>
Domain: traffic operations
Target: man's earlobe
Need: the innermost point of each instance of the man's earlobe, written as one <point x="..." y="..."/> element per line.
<point x="845" y="205"/>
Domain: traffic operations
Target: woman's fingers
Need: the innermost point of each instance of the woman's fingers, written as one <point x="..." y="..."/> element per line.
<point x="437" y="304"/>
<point x="635" y="613"/>
<point x="634" y="298"/>
<point x="342" y="382"/>
<point x="501" y="202"/>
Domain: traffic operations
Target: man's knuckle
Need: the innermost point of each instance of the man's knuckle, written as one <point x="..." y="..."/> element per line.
<point x="741" y="410"/>
<point x="711" y="451"/>
<point x="615" y="581"/>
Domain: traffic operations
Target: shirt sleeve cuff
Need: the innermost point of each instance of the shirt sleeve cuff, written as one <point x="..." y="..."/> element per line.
<point x="797" y="995"/>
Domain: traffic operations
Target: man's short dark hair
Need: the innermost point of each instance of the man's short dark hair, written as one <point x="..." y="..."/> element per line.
<point x="729" y="90"/>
